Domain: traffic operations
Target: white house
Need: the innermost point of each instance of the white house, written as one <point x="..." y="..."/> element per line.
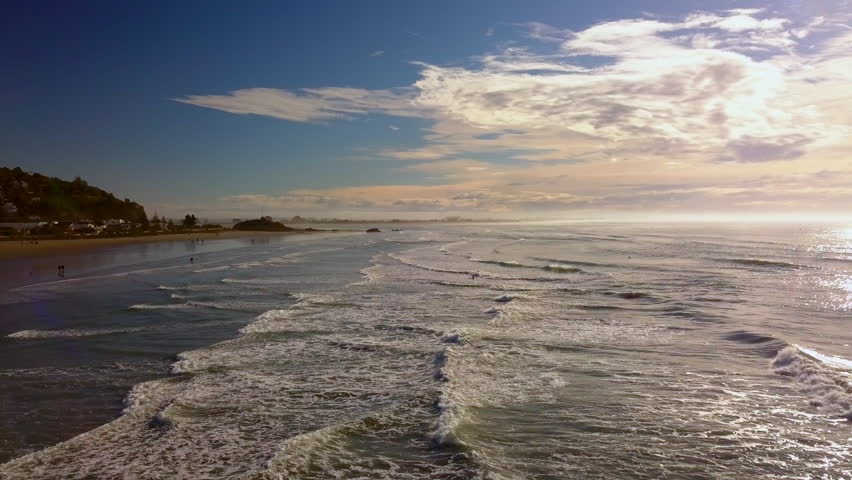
<point x="10" y="208"/>
<point x="83" y="226"/>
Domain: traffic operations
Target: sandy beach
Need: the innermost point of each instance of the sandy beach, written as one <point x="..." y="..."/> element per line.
<point x="16" y="249"/>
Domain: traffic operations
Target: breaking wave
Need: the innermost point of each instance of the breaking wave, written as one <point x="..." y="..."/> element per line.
<point x="236" y="306"/>
<point x="213" y="269"/>
<point x="444" y="433"/>
<point x="36" y="334"/>
<point x="555" y="267"/>
<point x="573" y="262"/>
<point x="449" y="417"/>
<point x="257" y="281"/>
<point x="411" y="263"/>
<point x="168" y="306"/>
<point x="505" y="298"/>
<point x="825" y="379"/>
<point x="502" y="263"/>
<point x="756" y="262"/>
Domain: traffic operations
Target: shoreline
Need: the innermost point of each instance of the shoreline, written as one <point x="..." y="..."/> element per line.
<point x="14" y="249"/>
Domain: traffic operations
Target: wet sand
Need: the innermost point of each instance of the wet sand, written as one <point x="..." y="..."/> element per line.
<point x="16" y="249"/>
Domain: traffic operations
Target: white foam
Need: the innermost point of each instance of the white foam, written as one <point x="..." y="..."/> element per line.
<point x="502" y="263"/>
<point x="449" y="417"/>
<point x="289" y="258"/>
<point x="258" y="281"/>
<point x="825" y="379"/>
<point x="168" y="306"/>
<point x="296" y="454"/>
<point x="110" y="275"/>
<point x="277" y="320"/>
<point x="317" y="298"/>
<point x="213" y="269"/>
<point x="412" y="263"/>
<point x="370" y="274"/>
<point x="446" y="248"/>
<point x="270" y="321"/>
<point x="453" y="337"/>
<point x="512" y="311"/>
<point x="248" y="265"/>
<point x="147" y="394"/>
<point x="239" y="306"/>
<point x="36" y="334"/>
<point x="561" y="268"/>
<point x="313" y="252"/>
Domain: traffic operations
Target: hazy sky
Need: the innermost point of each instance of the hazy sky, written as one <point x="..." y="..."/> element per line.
<point x="521" y="109"/>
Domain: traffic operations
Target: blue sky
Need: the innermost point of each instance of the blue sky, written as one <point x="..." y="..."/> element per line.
<point x="141" y="100"/>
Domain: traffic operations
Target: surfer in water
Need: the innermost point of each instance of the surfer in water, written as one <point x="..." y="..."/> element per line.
<point x="474" y="275"/>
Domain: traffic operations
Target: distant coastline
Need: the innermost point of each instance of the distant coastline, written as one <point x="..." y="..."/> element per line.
<point x="298" y="220"/>
<point x="26" y="249"/>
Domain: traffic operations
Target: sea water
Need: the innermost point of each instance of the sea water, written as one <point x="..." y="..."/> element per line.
<point x="468" y="351"/>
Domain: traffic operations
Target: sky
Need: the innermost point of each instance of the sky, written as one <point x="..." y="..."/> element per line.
<point x="481" y="108"/>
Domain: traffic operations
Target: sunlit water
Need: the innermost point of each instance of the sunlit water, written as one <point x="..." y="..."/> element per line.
<point x="579" y="351"/>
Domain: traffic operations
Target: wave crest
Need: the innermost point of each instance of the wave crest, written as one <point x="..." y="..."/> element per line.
<point x="36" y="334"/>
<point x="820" y="376"/>
<point x="757" y="262"/>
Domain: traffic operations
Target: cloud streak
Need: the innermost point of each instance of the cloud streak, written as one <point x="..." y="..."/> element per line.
<point x="310" y="104"/>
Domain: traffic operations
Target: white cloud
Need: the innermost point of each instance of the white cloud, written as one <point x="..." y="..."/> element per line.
<point x="377" y="53"/>
<point x="720" y="96"/>
<point x="744" y="22"/>
<point x="544" y="32"/>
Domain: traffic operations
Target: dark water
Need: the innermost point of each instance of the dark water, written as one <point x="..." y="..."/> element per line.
<point x="580" y="351"/>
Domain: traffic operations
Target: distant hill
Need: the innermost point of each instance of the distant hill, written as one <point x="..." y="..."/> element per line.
<point x="264" y="224"/>
<point x="27" y="196"/>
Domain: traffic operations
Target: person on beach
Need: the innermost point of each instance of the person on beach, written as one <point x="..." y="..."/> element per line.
<point x="191" y="260"/>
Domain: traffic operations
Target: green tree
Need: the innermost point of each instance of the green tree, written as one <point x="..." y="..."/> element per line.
<point x="190" y="221"/>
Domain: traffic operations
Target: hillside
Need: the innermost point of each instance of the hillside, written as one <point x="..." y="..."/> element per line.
<point x="263" y="224"/>
<point x="29" y="196"/>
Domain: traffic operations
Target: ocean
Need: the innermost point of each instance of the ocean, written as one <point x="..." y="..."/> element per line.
<point x="441" y="351"/>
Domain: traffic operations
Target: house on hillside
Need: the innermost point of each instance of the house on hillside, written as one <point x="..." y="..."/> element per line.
<point x="84" y="226"/>
<point x="115" y="225"/>
<point x="9" y="208"/>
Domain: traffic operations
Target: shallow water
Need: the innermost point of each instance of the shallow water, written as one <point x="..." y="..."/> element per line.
<point x="580" y="351"/>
